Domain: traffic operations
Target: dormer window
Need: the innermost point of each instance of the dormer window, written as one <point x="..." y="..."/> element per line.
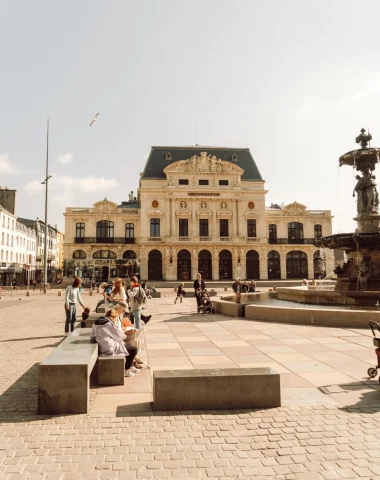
<point x="168" y="156"/>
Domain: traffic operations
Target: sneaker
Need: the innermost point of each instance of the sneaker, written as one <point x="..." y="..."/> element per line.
<point x="134" y="370"/>
<point x="147" y="319"/>
<point x="129" y="373"/>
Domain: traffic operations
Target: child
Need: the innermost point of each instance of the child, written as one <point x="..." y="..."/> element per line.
<point x="180" y="293"/>
<point x="85" y="315"/>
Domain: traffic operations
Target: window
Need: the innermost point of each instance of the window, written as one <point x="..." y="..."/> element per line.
<point x="203" y="182"/>
<point x="295" y="232"/>
<point x="129" y="230"/>
<point x="183" y="227"/>
<point x="223" y="182"/>
<point x="272" y="233"/>
<point x="8" y="222"/>
<point x="2" y="255"/>
<point x="79" y="254"/>
<point x="7" y="238"/>
<point x="203" y="227"/>
<point x="251" y="228"/>
<point x="104" y="254"/>
<point x="2" y="238"/>
<point x="17" y="257"/>
<point x="183" y="181"/>
<point x="104" y="230"/>
<point x="317" y="231"/>
<point x="6" y="256"/>
<point x="154" y="227"/>
<point x="223" y="227"/>
<point x="79" y="231"/>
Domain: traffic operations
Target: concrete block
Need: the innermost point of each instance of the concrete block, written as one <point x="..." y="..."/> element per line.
<point x="156" y="294"/>
<point x="101" y="309"/>
<point x="230" y="308"/>
<point x="111" y="369"/>
<point x="63" y="377"/>
<point x="59" y="293"/>
<point x="216" y="389"/>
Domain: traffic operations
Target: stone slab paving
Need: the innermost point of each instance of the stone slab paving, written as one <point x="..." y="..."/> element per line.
<point x="327" y="428"/>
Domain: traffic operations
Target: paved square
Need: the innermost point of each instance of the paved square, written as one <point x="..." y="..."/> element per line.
<point x="328" y="426"/>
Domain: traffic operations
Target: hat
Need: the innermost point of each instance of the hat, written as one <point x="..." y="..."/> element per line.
<point x="122" y="304"/>
<point x="238" y="278"/>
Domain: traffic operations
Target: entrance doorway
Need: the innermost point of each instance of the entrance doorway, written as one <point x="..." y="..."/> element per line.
<point x="205" y="264"/>
<point x="225" y="265"/>
<point x="105" y="275"/>
<point x="184" y="265"/>
<point x="252" y="265"/>
<point x="274" y="266"/>
<point x="155" y="265"/>
<point x="296" y="265"/>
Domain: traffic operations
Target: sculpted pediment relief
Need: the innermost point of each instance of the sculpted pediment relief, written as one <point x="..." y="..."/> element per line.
<point x="294" y="208"/>
<point x="250" y="213"/>
<point x="105" y="206"/>
<point x="203" y="164"/>
<point x="155" y="213"/>
<point x="224" y="213"/>
<point x="204" y="212"/>
<point x="186" y="213"/>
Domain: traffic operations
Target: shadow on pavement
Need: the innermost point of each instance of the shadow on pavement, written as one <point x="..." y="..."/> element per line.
<point x="31" y="338"/>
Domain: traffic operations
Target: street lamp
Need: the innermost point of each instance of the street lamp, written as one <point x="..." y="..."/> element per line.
<point x="45" y="182"/>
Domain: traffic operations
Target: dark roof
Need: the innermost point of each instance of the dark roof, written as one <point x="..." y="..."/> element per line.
<point x="154" y="167"/>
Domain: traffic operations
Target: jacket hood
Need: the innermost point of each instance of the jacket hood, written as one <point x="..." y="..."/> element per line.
<point x="102" y="321"/>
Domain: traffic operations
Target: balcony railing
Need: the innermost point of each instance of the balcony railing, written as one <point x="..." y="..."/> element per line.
<point x="225" y="239"/>
<point x="291" y="241"/>
<point x="155" y="239"/>
<point x="184" y="239"/>
<point x="253" y="239"/>
<point x="205" y="239"/>
<point x="120" y="240"/>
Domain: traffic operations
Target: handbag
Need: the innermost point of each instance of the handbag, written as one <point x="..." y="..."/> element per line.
<point x="132" y="339"/>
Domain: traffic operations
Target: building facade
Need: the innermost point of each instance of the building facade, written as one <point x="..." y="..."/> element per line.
<point x="197" y="209"/>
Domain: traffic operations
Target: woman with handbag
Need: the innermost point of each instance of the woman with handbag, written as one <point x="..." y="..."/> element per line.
<point x="131" y="334"/>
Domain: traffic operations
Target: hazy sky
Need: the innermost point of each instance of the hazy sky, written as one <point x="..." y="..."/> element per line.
<point x="293" y="80"/>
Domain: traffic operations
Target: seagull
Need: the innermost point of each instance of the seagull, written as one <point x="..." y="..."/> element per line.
<point x="95" y="119"/>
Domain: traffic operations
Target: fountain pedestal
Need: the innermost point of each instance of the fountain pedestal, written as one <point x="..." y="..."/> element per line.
<point x="368" y="223"/>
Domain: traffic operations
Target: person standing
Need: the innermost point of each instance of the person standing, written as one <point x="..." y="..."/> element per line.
<point x="137" y="298"/>
<point x="72" y="296"/>
<point x="237" y="288"/>
<point x="180" y="293"/>
<point x="199" y="285"/>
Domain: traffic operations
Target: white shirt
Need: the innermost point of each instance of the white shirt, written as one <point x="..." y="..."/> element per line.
<point x="73" y="296"/>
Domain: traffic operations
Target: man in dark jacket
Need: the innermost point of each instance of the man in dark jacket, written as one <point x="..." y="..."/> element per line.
<point x="199" y="285"/>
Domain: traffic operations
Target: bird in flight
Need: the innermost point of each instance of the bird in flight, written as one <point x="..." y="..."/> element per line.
<point x="95" y="119"/>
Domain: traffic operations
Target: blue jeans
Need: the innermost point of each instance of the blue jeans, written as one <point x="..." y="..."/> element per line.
<point x="71" y="316"/>
<point x="137" y="317"/>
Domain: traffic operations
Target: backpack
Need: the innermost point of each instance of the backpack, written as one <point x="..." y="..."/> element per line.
<point x="141" y="296"/>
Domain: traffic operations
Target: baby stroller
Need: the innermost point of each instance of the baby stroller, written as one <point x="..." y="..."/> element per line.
<point x="375" y="327"/>
<point x="204" y="302"/>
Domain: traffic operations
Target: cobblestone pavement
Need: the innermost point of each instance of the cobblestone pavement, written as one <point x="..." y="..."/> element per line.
<point x="332" y="435"/>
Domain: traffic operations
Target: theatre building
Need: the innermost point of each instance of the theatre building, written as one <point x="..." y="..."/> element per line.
<point x="197" y="209"/>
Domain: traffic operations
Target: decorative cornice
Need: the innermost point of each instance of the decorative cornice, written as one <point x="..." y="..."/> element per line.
<point x="203" y="164"/>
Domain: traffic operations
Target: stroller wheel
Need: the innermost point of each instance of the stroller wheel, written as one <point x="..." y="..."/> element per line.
<point x="372" y="372"/>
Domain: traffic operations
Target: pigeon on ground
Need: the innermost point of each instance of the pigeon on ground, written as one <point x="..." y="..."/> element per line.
<point x="95" y="119"/>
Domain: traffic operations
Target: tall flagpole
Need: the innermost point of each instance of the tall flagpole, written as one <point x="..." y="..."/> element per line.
<point x="46" y="206"/>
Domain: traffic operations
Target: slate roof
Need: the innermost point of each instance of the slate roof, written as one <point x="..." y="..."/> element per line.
<point x="157" y="162"/>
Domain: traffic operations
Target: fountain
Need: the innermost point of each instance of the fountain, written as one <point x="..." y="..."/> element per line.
<point x="359" y="277"/>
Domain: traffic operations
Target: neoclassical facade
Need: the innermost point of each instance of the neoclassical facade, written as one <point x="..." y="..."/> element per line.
<point x="197" y="209"/>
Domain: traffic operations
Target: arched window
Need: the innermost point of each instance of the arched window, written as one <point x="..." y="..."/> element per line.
<point x="79" y="233"/>
<point x="296" y="265"/>
<point x="295" y="232"/>
<point x="129" y="254"/>
<point x="104" y="232"/>
<point x="317" y="231"/>
<point x="129" y="232"/>
<point x="79" y="254"/>
<point x="104" y="254"/>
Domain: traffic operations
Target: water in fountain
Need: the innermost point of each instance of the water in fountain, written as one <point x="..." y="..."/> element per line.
<point x="327" y="277"/>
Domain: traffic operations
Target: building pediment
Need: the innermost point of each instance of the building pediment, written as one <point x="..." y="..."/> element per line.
<point x="182" y="212"/>
<point x="203" y="164"/>
<point x="105" y="206"/>
<point x="224" y="213"/>
<point x="155" y="213"/>
<point x="205" y="213"/>
<point x="294" y="208"/>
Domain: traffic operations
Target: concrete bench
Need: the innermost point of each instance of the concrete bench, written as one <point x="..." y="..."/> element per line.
<point x="216" y="389"/>
<point x="111" y="370"/>
<point x="64" y="376"/>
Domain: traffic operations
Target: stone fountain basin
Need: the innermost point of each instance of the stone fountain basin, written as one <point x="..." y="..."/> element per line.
<point x="326" y="296"/>
<point x="251" y="308"/>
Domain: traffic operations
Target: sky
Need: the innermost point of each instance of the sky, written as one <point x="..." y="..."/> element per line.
<point x="294" y="81"/>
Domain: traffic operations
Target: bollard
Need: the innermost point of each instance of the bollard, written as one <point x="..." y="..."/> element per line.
<point x="271" y="289"/>
<point x="90" y="293"/>
<point x="225" y="289"/>
<point x="28" y="293"/>
<point x="175" y="289"/>
<point x="275" y="289"/>
<point x="98" y="290"/>
<point x="59" y="293"/>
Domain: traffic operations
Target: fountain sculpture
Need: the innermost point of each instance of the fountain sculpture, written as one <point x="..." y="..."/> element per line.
<point x="359" y="277"/>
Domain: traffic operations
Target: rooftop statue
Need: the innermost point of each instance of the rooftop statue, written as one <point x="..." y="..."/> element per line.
<point x="363" y="138"/>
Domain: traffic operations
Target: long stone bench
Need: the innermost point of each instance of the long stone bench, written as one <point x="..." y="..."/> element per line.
<point x="216" y="389"/>
<point x="64" y="376"/>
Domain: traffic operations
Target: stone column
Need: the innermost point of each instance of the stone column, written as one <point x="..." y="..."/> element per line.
<point x="144" y="263"/>
<point x="283" y="264"/>
<point x="215" y="266"/>
<point x="194" y="218"/>
<point x="214" y="219"/>
<point x="263" y="265"/>
<point x="170" y="217"/>
<point x="310" y="265"/>
<point x="194" y="264"/>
